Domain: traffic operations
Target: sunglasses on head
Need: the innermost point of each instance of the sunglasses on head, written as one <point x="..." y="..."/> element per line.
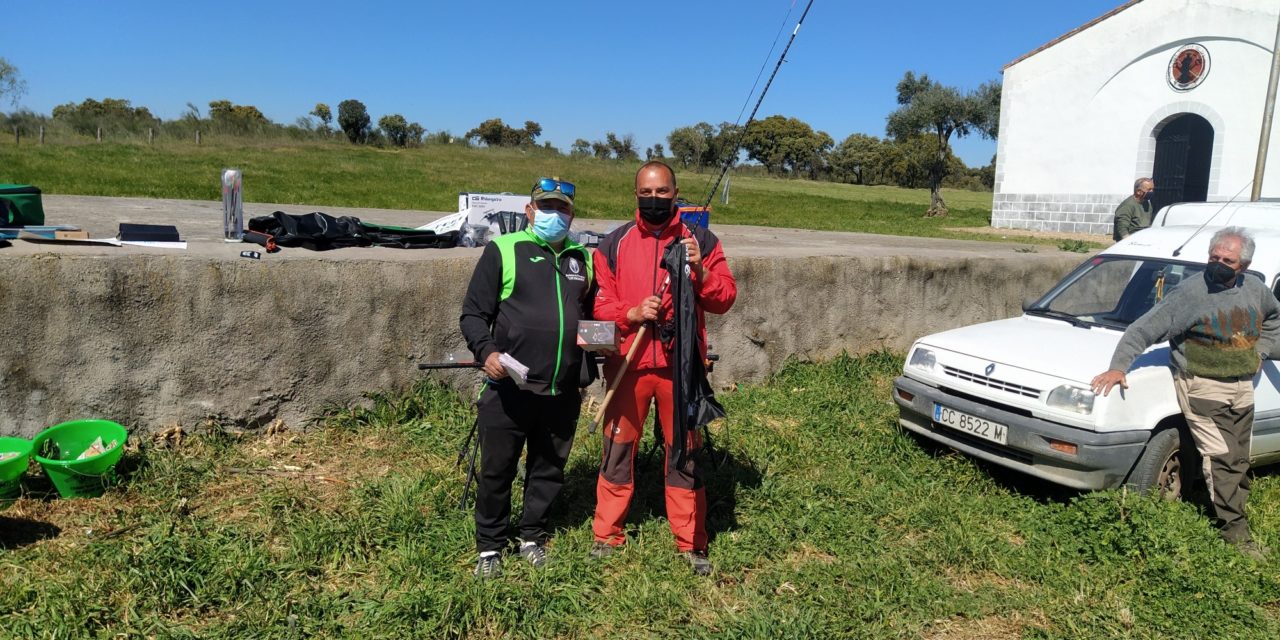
<point x="548" y="185"/>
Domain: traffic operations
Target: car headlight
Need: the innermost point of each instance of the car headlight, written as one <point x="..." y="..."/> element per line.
<point x="1071" y="399"/>
<point x="923" y="358"/>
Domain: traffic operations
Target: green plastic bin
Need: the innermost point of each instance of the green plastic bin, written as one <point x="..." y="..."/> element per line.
<point x="11" y="470"/>
<point x="86" y="478"/>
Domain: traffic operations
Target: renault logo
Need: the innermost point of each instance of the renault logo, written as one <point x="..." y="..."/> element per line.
<point x="991" y="367"/>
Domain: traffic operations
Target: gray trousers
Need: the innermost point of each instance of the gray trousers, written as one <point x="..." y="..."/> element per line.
<point x="1219" y="413"/>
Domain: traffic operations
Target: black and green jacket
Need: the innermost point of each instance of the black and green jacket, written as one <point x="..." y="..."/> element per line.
<point x="525" y="300"/>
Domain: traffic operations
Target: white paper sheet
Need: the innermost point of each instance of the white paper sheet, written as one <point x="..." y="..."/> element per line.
<point x="515" y="369"/>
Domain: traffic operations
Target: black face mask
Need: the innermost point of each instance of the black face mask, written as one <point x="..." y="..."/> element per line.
<point x="1219" y="273"/>
<point x="654" y="210"/>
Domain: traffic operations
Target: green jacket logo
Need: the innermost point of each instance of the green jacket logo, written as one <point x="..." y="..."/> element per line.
<point x="537" y="259"/>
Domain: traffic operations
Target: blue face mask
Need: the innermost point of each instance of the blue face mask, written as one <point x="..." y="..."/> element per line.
<point x="551" y="225"/>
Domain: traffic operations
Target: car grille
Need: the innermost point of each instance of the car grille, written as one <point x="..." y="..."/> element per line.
<point x="994" y="383"/>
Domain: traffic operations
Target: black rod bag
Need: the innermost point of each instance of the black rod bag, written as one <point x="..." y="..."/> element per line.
<point x="694" y="403"/>
<point x="321" y="232"/>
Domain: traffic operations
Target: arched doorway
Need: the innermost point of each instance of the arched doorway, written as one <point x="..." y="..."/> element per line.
<point x="1184" y="153"/>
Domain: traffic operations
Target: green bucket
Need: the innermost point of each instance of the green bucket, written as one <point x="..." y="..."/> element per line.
<point x="86" y="478"/>
<point x="11" y="470"/>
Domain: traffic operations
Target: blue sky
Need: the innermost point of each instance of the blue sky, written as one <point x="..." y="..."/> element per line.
<point x="579" y="68"/>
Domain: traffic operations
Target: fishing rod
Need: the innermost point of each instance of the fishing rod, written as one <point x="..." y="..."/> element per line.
<point x="450" y="365"/>
<point x="433" y="366"/>
<point x="626" y="364"/>
<point x="733" y="153"/>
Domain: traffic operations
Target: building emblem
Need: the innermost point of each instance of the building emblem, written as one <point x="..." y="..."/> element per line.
<point x="1188" y="67"/>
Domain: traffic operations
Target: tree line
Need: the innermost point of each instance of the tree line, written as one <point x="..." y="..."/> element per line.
<point x="914" y="153"/>
<point x="117" y="117"/>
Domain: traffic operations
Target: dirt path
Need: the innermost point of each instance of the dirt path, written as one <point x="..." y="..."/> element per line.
<point x="1027" y="233"/>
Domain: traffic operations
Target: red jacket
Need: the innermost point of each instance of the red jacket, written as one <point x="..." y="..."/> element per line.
<point x="628" y="269"/>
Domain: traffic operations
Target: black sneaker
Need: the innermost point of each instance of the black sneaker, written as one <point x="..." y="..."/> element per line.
<point x="489" y="566"/>
<point x="698" y="562"/>
<point x="535" y="553"/>
<point x="602" y="550"/>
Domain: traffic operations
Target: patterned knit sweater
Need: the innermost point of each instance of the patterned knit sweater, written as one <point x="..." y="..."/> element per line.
<point x="1213" y="331"/>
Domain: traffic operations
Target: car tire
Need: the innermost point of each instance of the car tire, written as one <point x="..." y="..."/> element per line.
<point x="1163" y="466"/>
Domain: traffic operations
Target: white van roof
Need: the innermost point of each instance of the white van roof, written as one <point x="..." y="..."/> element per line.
<point x="1262" y="220"/>
<point x="1264" y="213"/>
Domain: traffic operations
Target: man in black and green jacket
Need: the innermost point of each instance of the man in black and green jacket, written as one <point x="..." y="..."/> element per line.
<point x="527" y="293"/>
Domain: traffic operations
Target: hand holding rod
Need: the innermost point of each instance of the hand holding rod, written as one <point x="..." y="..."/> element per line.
<point x="608" y="395"/>
<point x="626" y="364"/>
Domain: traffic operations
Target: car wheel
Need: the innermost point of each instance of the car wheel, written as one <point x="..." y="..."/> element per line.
<point x="1162" y="467"/>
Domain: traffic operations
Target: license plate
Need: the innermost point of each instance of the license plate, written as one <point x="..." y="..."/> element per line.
<point x="973" y="425"/>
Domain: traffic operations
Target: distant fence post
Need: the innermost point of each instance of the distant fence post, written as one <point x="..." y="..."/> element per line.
<point x="99" y="134"/>
<point x="17" y="138"/>
<point x="41" y="134"/>
<point x="150" y="135"/>
<point x="197" y="136"/>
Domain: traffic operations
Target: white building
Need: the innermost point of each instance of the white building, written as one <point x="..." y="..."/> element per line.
<point x="1172" y="89"/>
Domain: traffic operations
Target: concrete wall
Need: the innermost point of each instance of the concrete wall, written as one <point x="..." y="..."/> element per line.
<point x="153" y="340"/>
<point x="1079" y="119"/>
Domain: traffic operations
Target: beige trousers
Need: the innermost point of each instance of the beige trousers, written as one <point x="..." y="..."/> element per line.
<point x="1219" y="414"/>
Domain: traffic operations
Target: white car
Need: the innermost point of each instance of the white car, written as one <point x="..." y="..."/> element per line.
<point x="1016" y="392"/>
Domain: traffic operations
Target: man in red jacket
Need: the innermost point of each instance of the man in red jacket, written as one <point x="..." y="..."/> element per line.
<point x="631" y="281"/>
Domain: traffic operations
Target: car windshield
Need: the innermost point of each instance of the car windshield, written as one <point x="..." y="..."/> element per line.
<point x="1113" y="291"/>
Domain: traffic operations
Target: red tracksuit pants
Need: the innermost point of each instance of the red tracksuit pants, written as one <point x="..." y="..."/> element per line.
<point x="624" y="423"/>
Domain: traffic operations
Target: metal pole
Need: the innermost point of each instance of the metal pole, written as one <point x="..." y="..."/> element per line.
<point x="41" y="134"/>
<point x="1268" y="114"/>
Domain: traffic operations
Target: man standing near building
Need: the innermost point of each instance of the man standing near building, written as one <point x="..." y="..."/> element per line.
<point x="633" y="293"/>
<point x="1134" y="214"/>
<point x="1219" y="329"/>
<point x="527" y="293"/>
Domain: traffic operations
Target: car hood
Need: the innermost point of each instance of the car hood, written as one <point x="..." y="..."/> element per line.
<point x="1041" y="345"/>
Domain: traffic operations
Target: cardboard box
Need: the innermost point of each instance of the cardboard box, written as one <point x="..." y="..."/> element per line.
<point x="597" y="335"/>
<point x="483" y="208"/>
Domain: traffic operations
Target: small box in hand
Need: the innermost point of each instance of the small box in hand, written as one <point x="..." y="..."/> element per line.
<point x="597" y="335"/>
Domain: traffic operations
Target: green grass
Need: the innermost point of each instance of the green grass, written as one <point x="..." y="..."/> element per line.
<point x="338" y="174"/>
<point x="827" y="522"/>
